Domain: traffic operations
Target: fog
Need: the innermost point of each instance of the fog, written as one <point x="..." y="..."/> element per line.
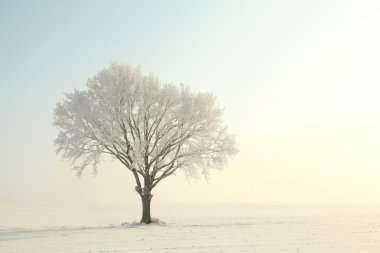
<point x="298" y="81"/>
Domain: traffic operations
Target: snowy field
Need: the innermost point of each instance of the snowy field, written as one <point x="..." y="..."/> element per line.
<point x="191" y="228"/>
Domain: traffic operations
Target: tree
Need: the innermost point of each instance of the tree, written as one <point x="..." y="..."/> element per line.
<point x="153" y="129"/>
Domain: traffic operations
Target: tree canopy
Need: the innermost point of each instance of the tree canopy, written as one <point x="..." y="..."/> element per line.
<point x="152" y="128"/>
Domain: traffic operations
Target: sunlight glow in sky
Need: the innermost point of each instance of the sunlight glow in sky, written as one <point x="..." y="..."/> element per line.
<point x="299" y="81"/>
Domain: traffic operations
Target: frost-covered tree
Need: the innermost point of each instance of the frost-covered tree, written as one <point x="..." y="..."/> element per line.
<point x="153" y="129"/>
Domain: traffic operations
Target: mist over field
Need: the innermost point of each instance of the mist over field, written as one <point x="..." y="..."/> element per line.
<point x="245" y="126"/>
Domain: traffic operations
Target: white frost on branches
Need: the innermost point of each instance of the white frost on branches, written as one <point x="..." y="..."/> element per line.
<point x="152" y="128"/>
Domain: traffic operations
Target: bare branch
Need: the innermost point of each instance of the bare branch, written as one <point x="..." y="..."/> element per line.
<point x="153" y="129"/>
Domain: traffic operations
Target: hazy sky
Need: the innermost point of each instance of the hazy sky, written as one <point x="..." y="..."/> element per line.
<point x="299" y="81"/>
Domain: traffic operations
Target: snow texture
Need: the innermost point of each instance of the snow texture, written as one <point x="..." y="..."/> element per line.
<point x="231" y="229"/>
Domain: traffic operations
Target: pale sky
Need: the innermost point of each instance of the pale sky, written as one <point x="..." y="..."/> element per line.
<point x="299" y="81"/>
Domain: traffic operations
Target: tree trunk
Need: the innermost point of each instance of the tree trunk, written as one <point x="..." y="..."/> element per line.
<point x="146" y="198"/>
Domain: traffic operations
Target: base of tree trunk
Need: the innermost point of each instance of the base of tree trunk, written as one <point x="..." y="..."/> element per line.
<point x="145" y="199"/>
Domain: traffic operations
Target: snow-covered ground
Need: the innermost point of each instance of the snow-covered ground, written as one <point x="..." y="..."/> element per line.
<point x="191" y="228"/>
